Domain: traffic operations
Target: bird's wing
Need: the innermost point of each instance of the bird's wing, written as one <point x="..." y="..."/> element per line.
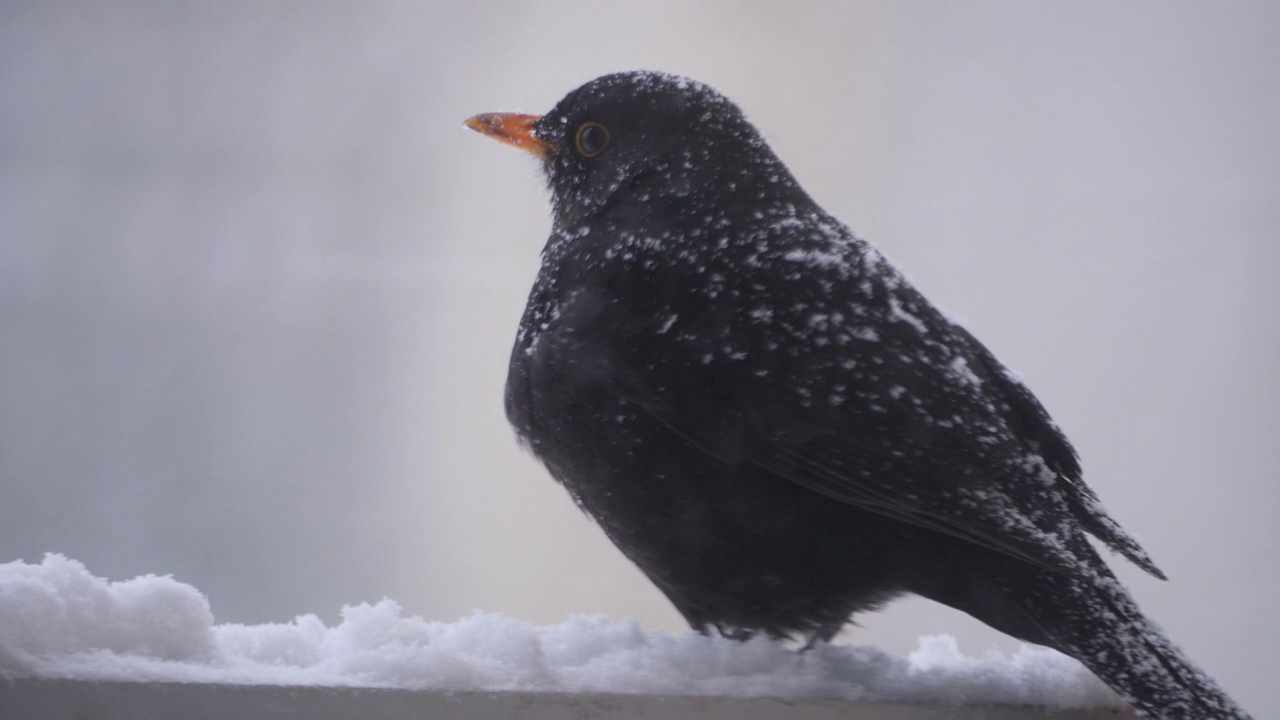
<point x="1029" y="419"/>
<point x="834" y="373"/>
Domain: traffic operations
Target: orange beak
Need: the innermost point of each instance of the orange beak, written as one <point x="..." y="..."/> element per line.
<point x="512" y="129"/>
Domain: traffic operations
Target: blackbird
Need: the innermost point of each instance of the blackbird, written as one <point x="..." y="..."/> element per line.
<point x="773" y="424"/>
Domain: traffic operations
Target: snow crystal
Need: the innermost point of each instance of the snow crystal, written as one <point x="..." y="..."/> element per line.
<point x="960" y="367"/>
<point x="897" y="312"/>
<point x="867" y="333"/>
<point x="816" y="258"/>
<point x="57" y="620"/>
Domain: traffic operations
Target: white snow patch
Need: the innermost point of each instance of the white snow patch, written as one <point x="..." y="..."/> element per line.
<point x="59" y="621"/>
<point x="897" y="312"/>
<point x="961" y="368"/>
<point x="816" y="258"/>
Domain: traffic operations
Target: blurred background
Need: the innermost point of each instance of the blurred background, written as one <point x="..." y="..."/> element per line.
<point x="258" y="284"/>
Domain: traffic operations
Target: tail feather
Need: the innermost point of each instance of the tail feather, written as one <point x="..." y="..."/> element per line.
<point x="1089" y="616"/>
<point x="1097" y="622"/>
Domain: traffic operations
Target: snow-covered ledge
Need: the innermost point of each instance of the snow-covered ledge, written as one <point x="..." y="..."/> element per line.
<point x="73" y="645"/>
<point x="78" y="700"/>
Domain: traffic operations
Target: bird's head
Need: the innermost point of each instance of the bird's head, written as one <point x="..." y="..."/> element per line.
<point x="643" y="137"/>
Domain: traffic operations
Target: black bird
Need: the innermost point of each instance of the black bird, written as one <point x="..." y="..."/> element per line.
<point x="773" y="424"/>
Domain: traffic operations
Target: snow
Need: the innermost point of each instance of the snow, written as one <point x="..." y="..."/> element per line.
<point x="960" y="368"/>
<point x="898" y="312"/>
<point x="666" y="324"/>
<point x="816" y="258"/>
<point x="57" y="620"/>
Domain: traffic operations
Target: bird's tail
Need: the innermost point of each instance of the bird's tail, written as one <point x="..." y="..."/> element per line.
<point x="1090" y="617"/>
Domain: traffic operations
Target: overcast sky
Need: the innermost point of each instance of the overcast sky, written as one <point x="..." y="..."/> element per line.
<point x="258" y="285"/>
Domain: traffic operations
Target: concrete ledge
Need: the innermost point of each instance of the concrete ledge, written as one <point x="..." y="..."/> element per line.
<point x="82" y="700"/>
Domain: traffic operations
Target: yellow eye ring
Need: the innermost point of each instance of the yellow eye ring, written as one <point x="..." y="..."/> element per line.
<point x="592" y="138"/>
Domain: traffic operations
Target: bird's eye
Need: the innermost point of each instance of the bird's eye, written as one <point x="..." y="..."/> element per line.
<point x="591" y="139"/>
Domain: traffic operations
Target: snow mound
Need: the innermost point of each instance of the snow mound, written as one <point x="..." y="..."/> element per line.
<point x="57" y="620"/>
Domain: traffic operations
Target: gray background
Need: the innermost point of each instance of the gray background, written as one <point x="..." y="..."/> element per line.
<point x="258" y="285"/>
